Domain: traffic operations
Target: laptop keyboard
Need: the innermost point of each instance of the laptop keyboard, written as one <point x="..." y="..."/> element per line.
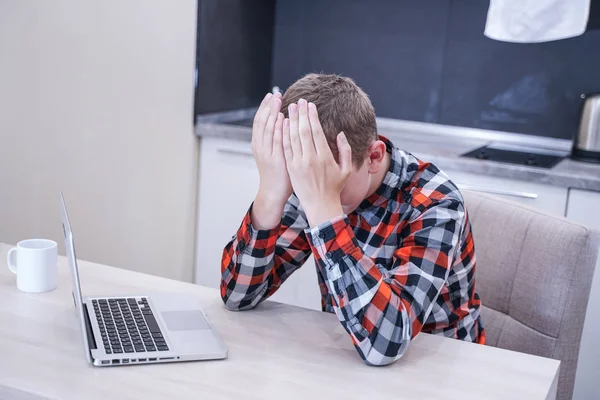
<point x="128" y="326"/>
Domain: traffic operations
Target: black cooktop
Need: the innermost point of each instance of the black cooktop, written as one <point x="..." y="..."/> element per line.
<point x="531" y="159"/>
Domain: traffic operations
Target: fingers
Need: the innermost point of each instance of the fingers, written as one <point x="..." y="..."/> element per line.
<point x="265" y="100"/>
<point x="345" y="154"/>
<point x="304" y="128"/>
<point x="318" y="135"/>
<point x="278" y="135"/>
<point x="295" y="144"/>
<point x="287" y="145"/>
<point x="267" y="139"/>
<point x="260" y="120"/>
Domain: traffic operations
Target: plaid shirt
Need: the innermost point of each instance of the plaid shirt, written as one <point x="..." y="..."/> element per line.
<point x="402" y="263"/>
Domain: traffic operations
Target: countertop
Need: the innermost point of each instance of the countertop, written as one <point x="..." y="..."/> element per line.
<point x="275" y="351"/>
<point x="443" y="145"/>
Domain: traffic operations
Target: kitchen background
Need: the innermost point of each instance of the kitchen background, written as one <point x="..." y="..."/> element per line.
<point x="419" y="61"/>
<point x="97" y="99"/>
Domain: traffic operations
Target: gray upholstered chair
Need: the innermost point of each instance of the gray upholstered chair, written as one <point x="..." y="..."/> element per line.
<point x="534" y="273"/>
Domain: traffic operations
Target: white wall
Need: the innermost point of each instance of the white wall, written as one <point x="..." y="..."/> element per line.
<point x="96" y="98"/>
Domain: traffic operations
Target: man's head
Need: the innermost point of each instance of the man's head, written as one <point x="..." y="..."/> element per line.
<point x="344" y="107"/>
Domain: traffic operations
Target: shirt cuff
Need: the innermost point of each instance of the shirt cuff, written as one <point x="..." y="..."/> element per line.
<point x="258" y="243"/>
<point x="333" y="240"/>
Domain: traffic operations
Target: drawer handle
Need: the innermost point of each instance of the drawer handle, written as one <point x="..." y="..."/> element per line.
<point x="236" y="152"/>
<point x="522" y="195"/>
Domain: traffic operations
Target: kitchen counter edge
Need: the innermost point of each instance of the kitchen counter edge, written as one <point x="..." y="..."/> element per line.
<point x="442" y="145"/>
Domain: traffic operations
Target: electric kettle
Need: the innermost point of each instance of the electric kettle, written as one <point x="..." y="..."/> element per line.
<point x="586" y="145"/>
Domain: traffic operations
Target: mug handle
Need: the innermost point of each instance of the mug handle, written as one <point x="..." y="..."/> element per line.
<point x="11" y="266"/>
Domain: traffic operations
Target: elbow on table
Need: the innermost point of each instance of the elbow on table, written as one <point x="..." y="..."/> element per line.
<point x="236" y="305"/>
<point x="230" y="304"/>
<point x="374" y="358"/>
<point x="380" y="362"/>
<point x="228" y="297"/>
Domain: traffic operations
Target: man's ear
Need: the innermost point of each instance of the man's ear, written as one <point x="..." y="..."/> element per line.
<point x="376" y="156"/>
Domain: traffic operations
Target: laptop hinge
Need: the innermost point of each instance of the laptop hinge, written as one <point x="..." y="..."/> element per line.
<point x="89" y="331"/>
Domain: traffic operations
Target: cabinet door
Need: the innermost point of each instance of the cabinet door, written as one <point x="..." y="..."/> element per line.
<point x="228" y="184"/>
<point x="584" y="209"/>
<point x="545" y="198"/>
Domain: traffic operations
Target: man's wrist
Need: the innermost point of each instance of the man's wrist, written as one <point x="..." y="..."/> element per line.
<point x="267" y="211"/>
<point x="322" y="211"/>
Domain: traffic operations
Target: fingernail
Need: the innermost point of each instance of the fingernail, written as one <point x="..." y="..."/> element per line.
<point x="312" y="106"/>
<point x="343" y="136"/>
<point x="292" y="109"/>
<point x="302" y="102"/>
<point x="268" y="96"/>
<point x="286" y="122"/>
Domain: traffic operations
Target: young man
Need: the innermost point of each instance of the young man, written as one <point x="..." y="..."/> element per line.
<point x="389" y="233"/>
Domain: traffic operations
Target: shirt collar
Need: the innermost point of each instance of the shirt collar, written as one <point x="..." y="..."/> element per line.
<point x="373" y="207"/>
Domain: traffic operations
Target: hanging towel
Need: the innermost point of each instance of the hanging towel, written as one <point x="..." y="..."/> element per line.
<point x="534" y="21"/>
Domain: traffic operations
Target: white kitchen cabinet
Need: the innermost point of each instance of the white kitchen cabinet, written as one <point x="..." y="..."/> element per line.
<point x="306" y="286"/>
<point x="228" y="183"/>
<point x="583" y="209"/>
<point x="545" y="198"/>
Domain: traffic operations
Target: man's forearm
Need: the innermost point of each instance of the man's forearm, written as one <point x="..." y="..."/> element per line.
<point x="251" y="268"/>
<point x="364" y="303"/>
<point x="248" y="257"/>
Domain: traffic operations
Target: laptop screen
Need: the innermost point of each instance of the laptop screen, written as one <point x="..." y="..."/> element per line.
<point x="70" y="250"/>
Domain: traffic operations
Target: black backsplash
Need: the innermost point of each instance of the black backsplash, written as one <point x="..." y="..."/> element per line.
<point x="418" y="60"/>
<point x="233" y="53"/>
<point x="429" y="61"/>
<point x="393" y="49"/>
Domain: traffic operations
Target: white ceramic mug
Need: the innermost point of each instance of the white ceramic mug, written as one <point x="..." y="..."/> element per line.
<point x="35" y="264"/>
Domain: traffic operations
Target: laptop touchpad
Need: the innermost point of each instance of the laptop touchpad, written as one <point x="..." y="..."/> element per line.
<point x="184" y="320"/>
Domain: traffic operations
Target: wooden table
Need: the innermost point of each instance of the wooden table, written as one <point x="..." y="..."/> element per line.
<point x="275" y="351"/>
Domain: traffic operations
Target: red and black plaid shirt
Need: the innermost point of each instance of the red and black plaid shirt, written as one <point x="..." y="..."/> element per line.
<point x="402" y="263"/>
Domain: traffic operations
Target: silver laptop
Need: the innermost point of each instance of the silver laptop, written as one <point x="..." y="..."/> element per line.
<point x="140" y="329"/>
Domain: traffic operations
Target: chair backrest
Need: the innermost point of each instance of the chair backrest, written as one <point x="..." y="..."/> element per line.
<point x="534" y="273"/>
